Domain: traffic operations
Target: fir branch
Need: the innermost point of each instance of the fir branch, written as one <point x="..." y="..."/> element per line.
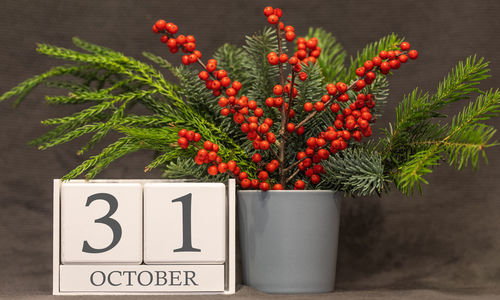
<point x="262" y="75"/>
<point x="22" y="89"/>
<point x="160" y="61"/>
<point x="109" y="154"/>
<point x="71" y="135"/>
<point x="356" y="171"/>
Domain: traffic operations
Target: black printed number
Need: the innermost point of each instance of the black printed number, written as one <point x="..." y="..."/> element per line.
<point x="107" y="220"/>
<point x="186" y="224"/>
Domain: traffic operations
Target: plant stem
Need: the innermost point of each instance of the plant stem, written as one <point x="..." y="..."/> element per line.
<point x="282" y="132"/>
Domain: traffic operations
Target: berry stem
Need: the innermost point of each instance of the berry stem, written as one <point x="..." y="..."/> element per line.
<point x="282" y="132"/>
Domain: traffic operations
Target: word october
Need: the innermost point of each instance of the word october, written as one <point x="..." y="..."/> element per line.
<point x="143" y="278"/>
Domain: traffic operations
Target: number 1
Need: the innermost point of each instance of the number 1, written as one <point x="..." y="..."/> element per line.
<point x="186" y="224"/>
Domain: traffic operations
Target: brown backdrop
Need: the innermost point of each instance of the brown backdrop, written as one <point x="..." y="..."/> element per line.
<point x="447" y="239"/>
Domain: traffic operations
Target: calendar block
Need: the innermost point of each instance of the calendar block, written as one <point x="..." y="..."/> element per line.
<point x="101" y="223"/>
<point x="144" y="237"/>
<point x="184" y="223"/>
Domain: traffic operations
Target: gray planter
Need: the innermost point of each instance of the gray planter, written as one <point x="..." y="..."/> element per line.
<point x="289" y="240"/>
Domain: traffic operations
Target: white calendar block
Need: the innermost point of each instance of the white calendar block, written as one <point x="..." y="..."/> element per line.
<point x="101" y="223"/>
<point x="184" y="223"/>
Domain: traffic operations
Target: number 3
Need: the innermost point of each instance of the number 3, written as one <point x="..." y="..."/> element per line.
<point x="112" y="223"/>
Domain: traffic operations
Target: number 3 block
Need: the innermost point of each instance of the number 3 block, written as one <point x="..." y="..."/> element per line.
<point x="101" y="223"/>
<point x="184" y="223"/>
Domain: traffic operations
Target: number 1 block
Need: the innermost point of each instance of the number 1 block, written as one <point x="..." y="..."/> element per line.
<point x="101" y="223"/>
<point x="184" y="223"/>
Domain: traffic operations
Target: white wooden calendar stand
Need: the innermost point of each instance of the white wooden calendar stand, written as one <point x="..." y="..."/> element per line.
<point x="152" y="237"/>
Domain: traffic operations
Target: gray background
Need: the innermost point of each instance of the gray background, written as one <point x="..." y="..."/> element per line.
<point x="446" y="240"/>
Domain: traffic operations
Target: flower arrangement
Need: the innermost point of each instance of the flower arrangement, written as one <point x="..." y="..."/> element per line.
<point x="268" y="117"/>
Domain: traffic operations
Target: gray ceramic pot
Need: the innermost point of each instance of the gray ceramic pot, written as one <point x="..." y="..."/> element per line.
<point x="289" y="240"/>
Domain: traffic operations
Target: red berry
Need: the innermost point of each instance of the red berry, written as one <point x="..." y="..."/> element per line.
<point x="197" y="137"/>
<point x="331" y="89"/>
<point x="208" y="145"/>
<point x="155" y="29"/>
<point x="278" y="90"/>
<point x="185" y="60"/>
<point x="377" y="61"/>
<point x="243" y="175"/>
<point x="383" y="54"/>
<point x="273" y="59"/>
<point x="283" y="58"/>
<point x="190" y="39"/>
<point x="413" y="54"/>
<point x="403" y="58"/>
<point x="172" y="28"/>
<point x="273" y="19"/>
<point x="370" y="76"/>
<point x="256" y="157"/>
<point x="222" y="168"/>
<point x="230" y="92"/>
<point x="264" y="186"/>
<point x="182" y="132"/>
<point x="335" y="107"/>
<point x="303" y="76"/>
<point x="368" y="65"/>
<point x="268" y="11"/>
<point x="299" y="184"/>
<point x="236" y="85"/>
<point x="311" y="142"/>
<point x="300" y="130"/>
<point x="183" y="142"/>
<point x="360" y="84"/>
<point x="385" y="67"/>
<point x="290" y="127"/>
<point x="277" y="186"/>
<point x="308" y="106"/>
<point x="290" y="36"/>
<point x="341" y="87"/>
<point x="212" y="170"/>
<point x="360" y="71"/>
<point x="181" y="39"/>
<point x="395" y="64"/>
<point x="255" y="183"/>
<point x="315" y="179"/>
<point x="319" y="106"/>
<point x="278" y="12"/>
<point x="312" y="43"/>
<point x="270" y="167"/>
<point x="190" y="47"/>
<point x="293" y="60"/>
<point x="190" y="135"/>
<point x="211" y="67"/>
<point x="264" y="145"/>
<point x="270" y="102"/>
<point x="160" y="24"/>
<point x="263" y="175"/>
<point x="404" y="46"/>
<point x="245" y="183"/>
<point x="343" y="98"/>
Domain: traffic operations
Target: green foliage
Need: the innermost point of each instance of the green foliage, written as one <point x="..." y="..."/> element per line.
<point x="107" y="84"/>
<point x="110" y="83"/>
<point x="356" y="171"/>
<point x="414" y="144"/>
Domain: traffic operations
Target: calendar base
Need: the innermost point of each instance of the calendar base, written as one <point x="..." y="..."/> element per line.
<point x="141" y="278"/>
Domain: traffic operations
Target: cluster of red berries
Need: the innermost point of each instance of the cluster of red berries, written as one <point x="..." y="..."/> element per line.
<point x="185" y="43"/>
<point x="351" y="123"/>
<point x="207" y="153"/>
